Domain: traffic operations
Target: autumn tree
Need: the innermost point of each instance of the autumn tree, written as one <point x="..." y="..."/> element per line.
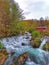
<point x="9" y="13"/>
<point x="16" y="15"/>
<point x="16" y="12"/>
<point x="4" y="17"/>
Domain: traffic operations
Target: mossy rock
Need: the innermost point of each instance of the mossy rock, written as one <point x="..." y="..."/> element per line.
<point x="36" y="43"/>
<point x="46" y="46"/>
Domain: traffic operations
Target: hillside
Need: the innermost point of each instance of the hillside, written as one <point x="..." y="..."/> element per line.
<point x="22" y="26"/>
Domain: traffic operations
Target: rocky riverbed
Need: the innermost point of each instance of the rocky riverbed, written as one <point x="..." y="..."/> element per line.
<point x="18" y="51"/>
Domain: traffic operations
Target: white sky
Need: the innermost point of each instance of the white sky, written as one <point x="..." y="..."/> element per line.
<point x="34" y="8"/>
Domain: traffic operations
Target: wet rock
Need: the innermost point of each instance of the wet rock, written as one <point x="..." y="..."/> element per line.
<point x="27" y="37"/>
<point x="23" y="44"/>
<point x="20" y="60"/>
<point x="3" y="56"/>
<point x="35" y="43"/>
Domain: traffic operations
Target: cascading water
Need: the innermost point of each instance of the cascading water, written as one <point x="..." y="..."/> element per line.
<point x="15" y="42"/>
<point x="43" y="42"/>
<point x="45" y="39"/>
<point x="21" y="44"/>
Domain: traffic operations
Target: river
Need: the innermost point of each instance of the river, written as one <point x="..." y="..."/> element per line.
<point x="21" y="44"/>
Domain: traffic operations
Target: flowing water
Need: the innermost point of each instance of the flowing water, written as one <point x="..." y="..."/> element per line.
<point x="20" y="44"/>
<point x="45" y="39"/>
<point x="43" y="42"/>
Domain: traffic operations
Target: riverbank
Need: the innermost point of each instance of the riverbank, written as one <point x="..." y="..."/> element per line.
<point x="25" y="25"/>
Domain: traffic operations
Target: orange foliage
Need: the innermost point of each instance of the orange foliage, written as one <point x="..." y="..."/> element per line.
<point x="3" y="56"/>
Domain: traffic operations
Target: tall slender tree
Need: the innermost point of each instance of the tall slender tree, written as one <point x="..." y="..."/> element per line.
<point x="16" y="11"/>
<point x="11" y="9"/>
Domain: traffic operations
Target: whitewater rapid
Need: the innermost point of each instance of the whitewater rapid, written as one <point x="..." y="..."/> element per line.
<point x="21" y="44"/>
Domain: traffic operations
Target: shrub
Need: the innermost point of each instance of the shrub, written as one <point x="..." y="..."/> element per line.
<point x="35" y="34"/>
<point x="30" y="29"/>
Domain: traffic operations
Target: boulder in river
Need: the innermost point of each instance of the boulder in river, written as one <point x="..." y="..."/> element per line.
<point x="20" y="60"/>
<point x="35" y="43"/>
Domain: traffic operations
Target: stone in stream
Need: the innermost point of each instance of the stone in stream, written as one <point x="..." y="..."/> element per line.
<point x="20" y="60"/>
<point x="35" y="43"/>
<point x="3" y="56"/>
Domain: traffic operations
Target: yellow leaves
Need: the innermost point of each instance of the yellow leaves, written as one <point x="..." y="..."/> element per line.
<point x="3" y="56"/>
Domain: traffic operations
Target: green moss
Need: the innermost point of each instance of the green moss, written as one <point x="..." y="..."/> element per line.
<point x="46" y="46"/>
<point x="1" y="45"/>
<point x="38" y="42"/>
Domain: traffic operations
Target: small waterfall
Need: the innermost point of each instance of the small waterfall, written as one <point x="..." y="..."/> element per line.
<point x="43" y="42"/>
<point x="21" y="44"/>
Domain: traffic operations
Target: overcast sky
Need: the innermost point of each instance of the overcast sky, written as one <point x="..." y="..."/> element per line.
<point x="34" y="8"/>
